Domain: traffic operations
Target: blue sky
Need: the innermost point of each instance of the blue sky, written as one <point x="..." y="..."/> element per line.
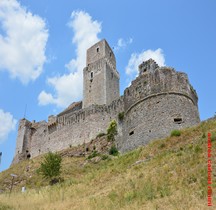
<point x="43" y="45"/>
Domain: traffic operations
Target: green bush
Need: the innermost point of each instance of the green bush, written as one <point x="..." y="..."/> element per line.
<point x="204" y="135"/>
<point x="176" y="133"/>
<point x="50" y="168"/>
<point x="104" y="157"/>
<point x="5" y="207"/>
<point x="121" y="116"/>
<point x="213" y="136"/>
<point x="113" y="151"/>
<point x="93" y="154"/>
<point x="197" y="149"/>
<point x="100" y="135"/>
<point x="162" y="146"/>
<point x="112" y="131"/>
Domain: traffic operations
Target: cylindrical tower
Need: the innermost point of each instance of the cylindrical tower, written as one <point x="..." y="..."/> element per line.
<point x="158" y="101"/>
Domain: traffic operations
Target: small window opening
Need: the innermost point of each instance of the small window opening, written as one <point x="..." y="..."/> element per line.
<point x="28" y="156"/>
<point x="110" y="54"/>
<point x="91" y="75"/>
<point x="87" y="149"/>
<point x="112" y="75"/>
<point x="131" y="133"/>
<point x="144" y="70"/>
<point x="149" y="131"/>
<point x="98" y="49"/>
<point x="178" y="120"/>
<point x="27" y="151"/>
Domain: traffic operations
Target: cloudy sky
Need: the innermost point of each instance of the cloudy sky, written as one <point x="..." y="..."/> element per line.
<point x="43" y="47"/>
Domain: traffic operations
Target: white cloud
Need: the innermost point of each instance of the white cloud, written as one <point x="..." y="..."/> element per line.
<point x="121" y="44"/>
<point x="137" y="58"/>
<point x="22" y="46"/>
<point x="7" y="124"/>
<point x="69" y="87"/>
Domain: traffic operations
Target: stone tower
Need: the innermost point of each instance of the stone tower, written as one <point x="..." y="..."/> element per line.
<point x="158" y="101"/>
<point x="100" y="77"/>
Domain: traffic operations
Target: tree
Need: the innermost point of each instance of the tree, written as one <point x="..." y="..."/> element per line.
<point x="50" y="168"/>
<point x="112" y="131"/>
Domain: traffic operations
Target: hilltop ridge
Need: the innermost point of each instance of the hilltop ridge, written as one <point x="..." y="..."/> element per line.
<point x="166" y="174"/>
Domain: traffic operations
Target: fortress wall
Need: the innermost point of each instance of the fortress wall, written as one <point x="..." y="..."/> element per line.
<point x="39" y="138"/>
<point x="75" y="128"/>
<point x="163" y="80"/>
<point x="156" y="117"/>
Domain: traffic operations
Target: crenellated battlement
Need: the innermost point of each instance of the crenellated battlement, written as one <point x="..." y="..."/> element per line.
<point x="163" y="80"/>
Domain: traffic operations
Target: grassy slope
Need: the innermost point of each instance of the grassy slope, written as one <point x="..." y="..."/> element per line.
<point x="171" y="175"/>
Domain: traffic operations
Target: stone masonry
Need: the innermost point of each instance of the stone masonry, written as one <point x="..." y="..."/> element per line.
<point x="158" y="101"/>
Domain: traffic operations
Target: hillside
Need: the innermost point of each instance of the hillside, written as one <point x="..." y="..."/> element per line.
<point x="166" y="174"/>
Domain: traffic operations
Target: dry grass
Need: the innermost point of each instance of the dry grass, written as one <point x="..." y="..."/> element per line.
<point x="171" y="174"/>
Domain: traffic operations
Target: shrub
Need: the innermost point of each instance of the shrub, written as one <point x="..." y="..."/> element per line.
<point x="93" y="154"/>
<point x="5" y="207"/>
<point x="113" y="151"/>
<point x="112" y="131"/>
<point x="162" y="146"/>
<point x="50" y="167"/>
<point x="197" y="149"/>
<point x="213" y="136"/>
<point x="204" y="135"/>
<point x="104" y="157"/>
<point x="121" y="116"/>
<point x="176" y="133"/>
<point x="190" y="146"/>
<point x="100" y="135"/>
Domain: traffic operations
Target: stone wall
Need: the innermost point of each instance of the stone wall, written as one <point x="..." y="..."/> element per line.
<point x="155" y="117"/>
<point x="112" y="84"/>
<point x="23" y="143"/>
<point x="71" y="129"/>
<point x="163" y="80"/>
<point x="93" y="81"/>
<point x="98" y="51"/>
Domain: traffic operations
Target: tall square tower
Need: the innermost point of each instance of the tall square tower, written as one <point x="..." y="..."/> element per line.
<point x="100" y="77"/>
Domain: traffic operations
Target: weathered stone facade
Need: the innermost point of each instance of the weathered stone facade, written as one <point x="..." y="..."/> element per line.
<point x="158" y="101"/>
<point x="100" y="77"/>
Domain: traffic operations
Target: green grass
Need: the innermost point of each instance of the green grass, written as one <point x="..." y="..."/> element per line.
<point x="166" y="174"/>
<point x="5" y="207"/>
<point x="175" y="133"/>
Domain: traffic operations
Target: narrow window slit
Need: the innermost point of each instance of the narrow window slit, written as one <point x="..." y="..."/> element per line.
<point x="131" y="133"/>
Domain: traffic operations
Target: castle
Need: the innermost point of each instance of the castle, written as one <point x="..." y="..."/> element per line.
<point x="158" y="101"/>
